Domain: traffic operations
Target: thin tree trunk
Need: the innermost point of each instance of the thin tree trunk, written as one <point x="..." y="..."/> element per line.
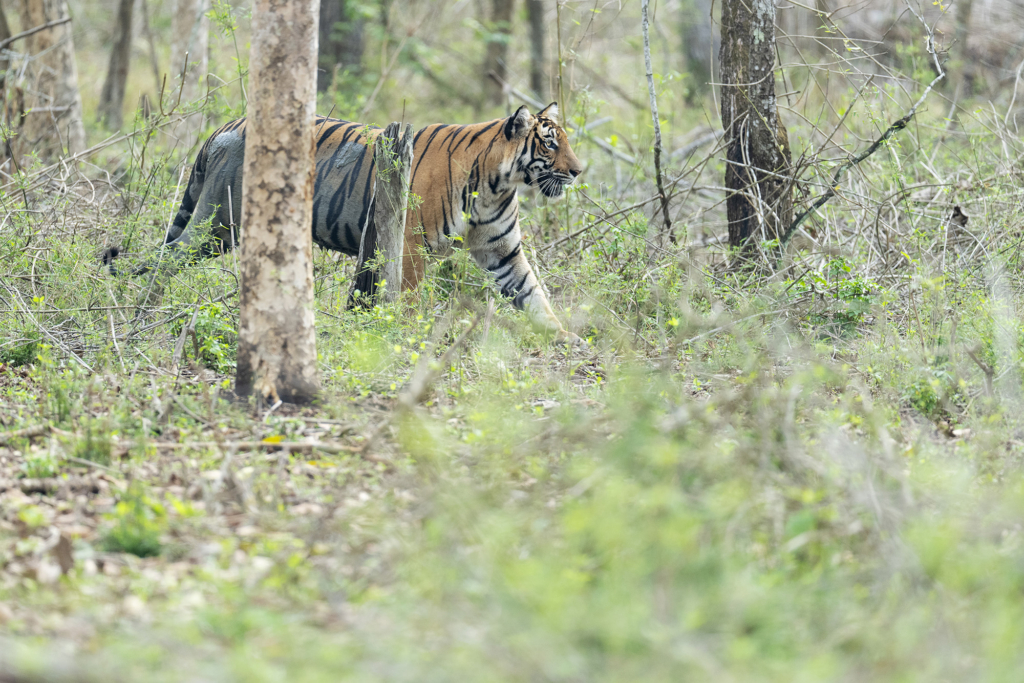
<point x="341" y="42"/>
<point x="190" y="35"/>
<point x="758" y="156"/>
<point x="538" y="53"/>
<point x="111" y="107"/>
<point x="497" y="50"/>
<point x="383" y="235"/>
<point x="54" y="105"/>
<point x="276" y="339"/>
<point x="392" y="158"/>
<point x="6" y="115"/>
<point x="5" y="33"/>
<point x="657" y="124"/>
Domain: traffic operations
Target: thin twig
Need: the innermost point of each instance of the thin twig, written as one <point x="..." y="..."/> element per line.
<point x="657" y="124"/>
<point x="889" y="132"/>
<point x="33" y="31"/>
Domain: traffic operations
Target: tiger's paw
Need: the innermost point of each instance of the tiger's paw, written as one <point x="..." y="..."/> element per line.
<point x="566" y="338"/>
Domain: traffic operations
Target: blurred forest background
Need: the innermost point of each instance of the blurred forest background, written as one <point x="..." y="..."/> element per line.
<point x="808" y="469"/>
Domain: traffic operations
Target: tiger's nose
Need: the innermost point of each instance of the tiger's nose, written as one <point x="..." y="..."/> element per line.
<point x="574" y="172"/>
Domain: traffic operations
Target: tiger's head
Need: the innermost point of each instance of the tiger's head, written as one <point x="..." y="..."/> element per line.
<point x="545" y="159"/>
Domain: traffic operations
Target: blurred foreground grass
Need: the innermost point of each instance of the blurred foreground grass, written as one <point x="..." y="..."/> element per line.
<point x="754" y="505"/>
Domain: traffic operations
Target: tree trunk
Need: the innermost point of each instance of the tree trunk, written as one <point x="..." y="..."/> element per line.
<point x="383" y="236"/>
<point x="190" y="34"/>
<point x="538" y="55"/>
<point x="341" y="42"/>
<point x="758" y="157"/>
<point x="276" y="339"/>
<point x="111" y="107"/>
<point x="5" y="33"/>
<point x="497" y="50"/>
<point x="53" y="104"/>
<point x="392" y="159"/>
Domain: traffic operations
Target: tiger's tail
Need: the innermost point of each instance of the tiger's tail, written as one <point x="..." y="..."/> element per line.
<point x="189" y="200"/>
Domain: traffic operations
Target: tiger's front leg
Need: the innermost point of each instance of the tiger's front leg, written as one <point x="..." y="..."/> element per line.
<point x="505" y="260"/>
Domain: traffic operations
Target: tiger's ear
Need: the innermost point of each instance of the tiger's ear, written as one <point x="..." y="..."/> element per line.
<point x="550" y="111"/>
<point x="517" y="125"/>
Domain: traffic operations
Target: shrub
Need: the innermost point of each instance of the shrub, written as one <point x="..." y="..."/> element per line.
<point x="136" y="525"/>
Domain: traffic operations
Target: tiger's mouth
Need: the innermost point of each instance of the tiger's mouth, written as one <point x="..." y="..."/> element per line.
<point x="553" y="184"/>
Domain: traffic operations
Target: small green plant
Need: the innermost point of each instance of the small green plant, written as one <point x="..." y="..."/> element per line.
<point x="842" y="298"/>
<point x="22" y="352"/>
<point x="216" y="335"/>
<point x="40" y="465"/>
<point x="924" y="396"/>
<point x="95" y="446"/>
<point x="136" y="524"/>
<point x="59" y="402"/>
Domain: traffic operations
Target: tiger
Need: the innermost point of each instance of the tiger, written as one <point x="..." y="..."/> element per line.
<point x="466" y="176"/>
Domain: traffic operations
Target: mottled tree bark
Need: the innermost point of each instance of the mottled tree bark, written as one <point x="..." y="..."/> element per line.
<point x="190" y="35"/>
<point x="341" y="41"/>
<point x="758" y="156"/>
<point x="111" y="106"/>
<point x="497" y="50"/>
<point x="5" y="33"/>
<point x="53" y="105"/>
<point x="392" y="156"/>
<point x="538" y="53"/>
<point x="276" y="339"/>
<point x="383" y="236"/>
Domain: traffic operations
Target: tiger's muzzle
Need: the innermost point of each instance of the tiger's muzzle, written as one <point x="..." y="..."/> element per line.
<point x="553" y="184"/>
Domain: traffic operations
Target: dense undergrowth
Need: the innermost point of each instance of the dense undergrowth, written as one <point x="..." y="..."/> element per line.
<point x="810" y="471"/>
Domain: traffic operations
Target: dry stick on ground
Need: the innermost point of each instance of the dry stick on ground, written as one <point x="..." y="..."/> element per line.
<point x="179" y="347"/>
<point x="326" y="447"/>
<point x="427" y="372"/>
<point x="39" y="430"/>
<point x="657" y="124"/>
<point x="888" y="133"/>
<point x="26" y="433"/>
